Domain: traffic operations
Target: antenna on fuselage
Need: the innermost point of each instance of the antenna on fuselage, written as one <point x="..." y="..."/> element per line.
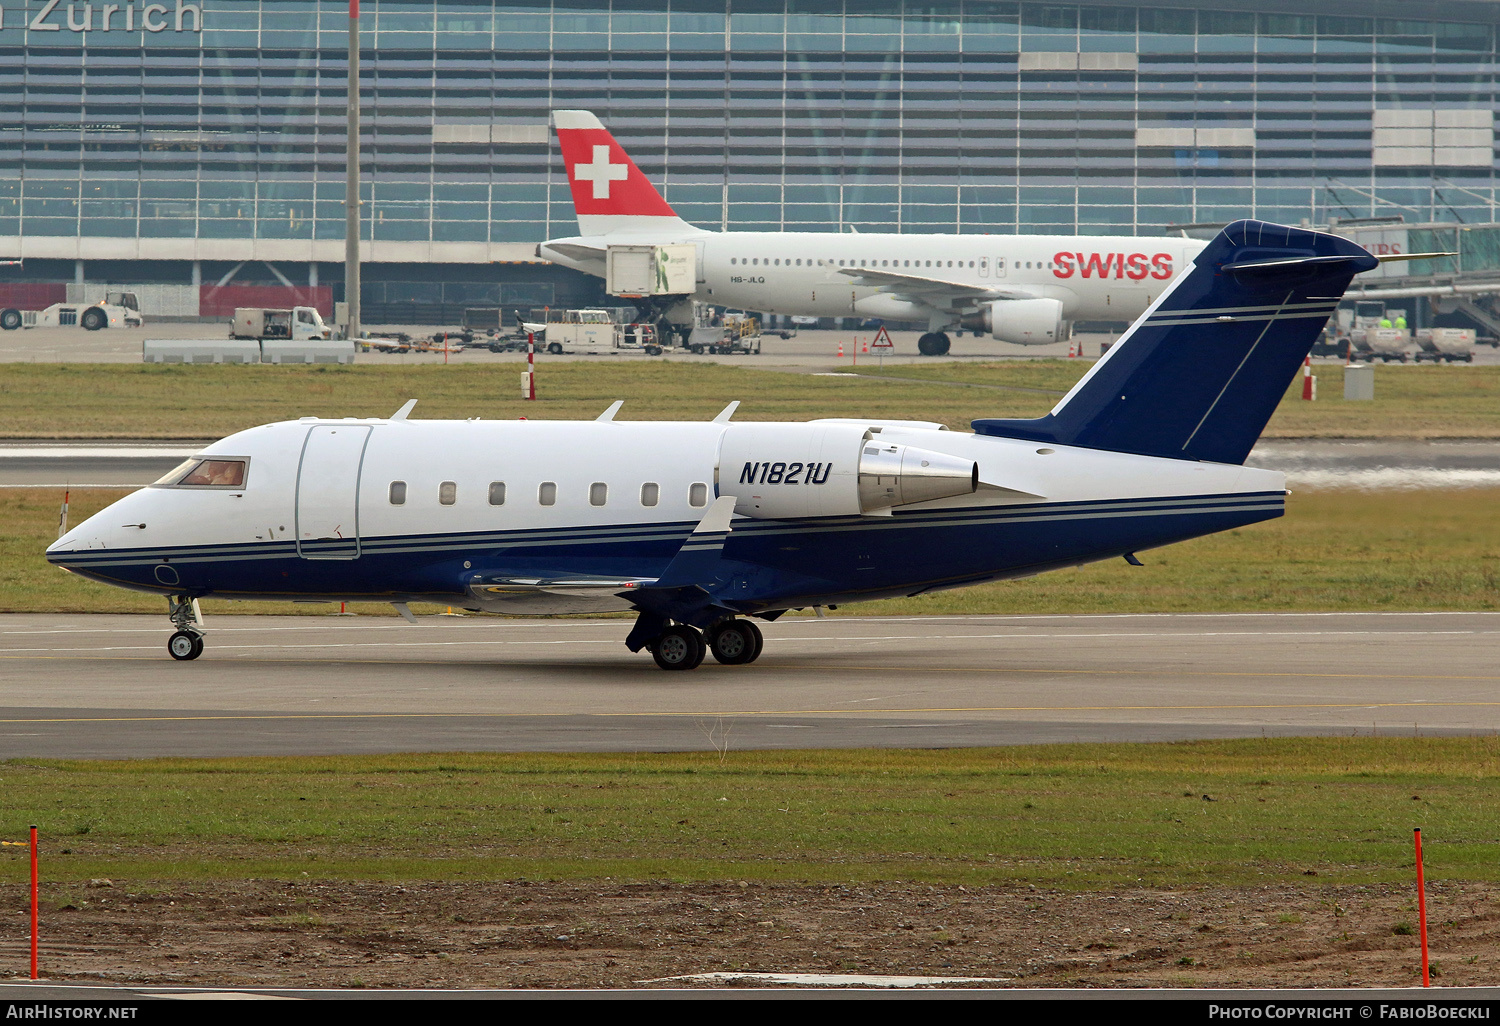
<point x="62" y="515"/>
<point x="405" y="409"/>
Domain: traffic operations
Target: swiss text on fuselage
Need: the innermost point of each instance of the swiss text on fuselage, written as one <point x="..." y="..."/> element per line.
<point x="785" y="473"/>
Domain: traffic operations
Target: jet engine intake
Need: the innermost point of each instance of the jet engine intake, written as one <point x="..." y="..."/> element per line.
<point x="1026" y="322"/>
<point x="822" y="469"/>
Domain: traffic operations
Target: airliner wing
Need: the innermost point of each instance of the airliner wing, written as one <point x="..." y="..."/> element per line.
<point x="935" y="291"/>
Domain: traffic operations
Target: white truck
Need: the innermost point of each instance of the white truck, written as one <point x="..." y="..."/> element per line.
<point x="298" y="323"/>
<point x="115" y="310"/>
<point x="578" y="331"/>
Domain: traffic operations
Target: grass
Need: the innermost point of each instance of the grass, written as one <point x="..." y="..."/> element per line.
<point x="1334" y="550"/>
<point x="1333" y="810"/>
<point x="173" y="401"/>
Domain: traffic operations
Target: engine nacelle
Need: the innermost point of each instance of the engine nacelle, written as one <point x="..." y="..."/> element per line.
<point x="1026" y="322"/>
<point x="789" y="471"/>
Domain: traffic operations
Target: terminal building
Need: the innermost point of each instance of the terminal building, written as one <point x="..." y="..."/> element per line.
<point x="194" y="146"/>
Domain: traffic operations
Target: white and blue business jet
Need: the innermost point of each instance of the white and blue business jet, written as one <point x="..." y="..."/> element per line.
<point x="699" y="528"/>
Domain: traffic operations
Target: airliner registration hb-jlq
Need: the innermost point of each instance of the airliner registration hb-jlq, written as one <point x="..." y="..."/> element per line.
<point x="1026" y="289"/>
<point x="700" y="527"/>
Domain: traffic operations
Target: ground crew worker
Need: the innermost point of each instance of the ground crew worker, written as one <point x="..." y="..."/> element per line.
<point x="1401" y="321"/>
<point x="1385" y="322"/>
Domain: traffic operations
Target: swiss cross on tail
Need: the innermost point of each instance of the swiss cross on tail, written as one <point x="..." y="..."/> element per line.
<point x="604" y="180"/>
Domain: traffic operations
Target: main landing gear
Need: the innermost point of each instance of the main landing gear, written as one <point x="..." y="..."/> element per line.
<point x="732" y="642"/>
<point x="934" y="343"/>
<point x="187" y="642"/>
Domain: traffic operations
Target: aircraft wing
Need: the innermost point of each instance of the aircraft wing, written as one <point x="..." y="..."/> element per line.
<point x="933" y="291"/>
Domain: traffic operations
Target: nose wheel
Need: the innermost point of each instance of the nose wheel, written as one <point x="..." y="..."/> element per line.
<point x="185" y="645"/>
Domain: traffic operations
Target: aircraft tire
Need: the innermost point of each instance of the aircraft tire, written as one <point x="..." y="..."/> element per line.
<point x="680" y="647"/>
<point x="735" y="642"/>
<point x="10" y="320"/>
<point x="185" y="645"/>
<point x="934" y="343"/>
<point x="92" y="319"/>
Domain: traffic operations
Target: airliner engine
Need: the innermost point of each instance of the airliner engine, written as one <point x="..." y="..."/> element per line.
<point x="1026" y="322"/>
<point x="783" y="471"/>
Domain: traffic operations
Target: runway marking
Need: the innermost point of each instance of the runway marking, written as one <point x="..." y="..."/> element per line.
<point x="861" y="713"/>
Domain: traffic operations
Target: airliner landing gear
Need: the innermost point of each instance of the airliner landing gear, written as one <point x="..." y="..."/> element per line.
<point x="934" y="343"/>
<point x="187" y="642"/>
<point x="735" y="642"/>
<point x="185" y="645"/>
<point x="679" y="647"/>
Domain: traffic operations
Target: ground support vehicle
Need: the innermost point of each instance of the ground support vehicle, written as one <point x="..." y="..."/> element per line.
<point x="638" y="337"/>
<point x="298" y="323"/>
<point x="576" y="331"/>
<point x="741" y="338"/>
<point x="1383" y="344"/>
<point x="115" y="310"/>
<point x="1446" y="345"/>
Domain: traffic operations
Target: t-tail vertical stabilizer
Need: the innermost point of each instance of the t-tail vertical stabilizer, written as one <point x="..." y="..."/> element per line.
<point x="1199" y="374"/>
<point x="610" y="194"/>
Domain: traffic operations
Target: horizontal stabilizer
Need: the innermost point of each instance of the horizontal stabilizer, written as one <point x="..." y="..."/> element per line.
<point x="1199" y="374"/>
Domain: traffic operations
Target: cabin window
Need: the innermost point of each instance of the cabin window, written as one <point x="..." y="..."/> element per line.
<point x="598" y="493"/>
<point x="731" y="261"/>
<point x="201" y="473"/>
<point x="398" y="493"/>
<point x="546" y="494"/>
<point x="698" y="494"/>
<point x="447" y="493"/>
<point x="650" y="493"/>
<point x="497" y="493"/>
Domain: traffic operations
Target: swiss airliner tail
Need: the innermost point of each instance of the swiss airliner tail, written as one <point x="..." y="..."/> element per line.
<point x="1199" y="374"/>
<point x="610" y="194"/>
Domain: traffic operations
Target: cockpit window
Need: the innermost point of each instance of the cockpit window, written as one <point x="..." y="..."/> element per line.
<point x="202" y="473"/>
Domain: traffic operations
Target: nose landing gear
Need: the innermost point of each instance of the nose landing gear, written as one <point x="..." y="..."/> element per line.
<point x="185" y="645"/>
<point x="187" y="641"/>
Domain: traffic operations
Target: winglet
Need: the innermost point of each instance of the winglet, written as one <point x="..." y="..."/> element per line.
<point x="609" y="414"/>
<point x="406" y="408"/>
<point x="726" y="413"/>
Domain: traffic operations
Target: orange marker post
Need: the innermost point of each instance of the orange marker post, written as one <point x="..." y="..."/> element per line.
<point x="1422" y="908"/>
<point x="33" y="903"/>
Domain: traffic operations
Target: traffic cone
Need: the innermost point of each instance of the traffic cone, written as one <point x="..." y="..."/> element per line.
<point x="1072" y="349"/>
<point x="841" y="350"/>
<point x="864" y="347"/>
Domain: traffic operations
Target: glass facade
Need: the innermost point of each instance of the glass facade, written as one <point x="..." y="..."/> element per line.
<point x="224" y="119"/>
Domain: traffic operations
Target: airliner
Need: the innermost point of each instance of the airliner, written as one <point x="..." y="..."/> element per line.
<point x="1026" y="289"/>
<point x="702" y="528"/>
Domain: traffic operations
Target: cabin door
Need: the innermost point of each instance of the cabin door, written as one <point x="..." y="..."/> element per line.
<point x="328" y="491"/>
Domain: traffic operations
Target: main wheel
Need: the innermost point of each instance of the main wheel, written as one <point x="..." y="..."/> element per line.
<point x="10" y="320"/>
<point x="735" y="642"/>
<point x="93" y="319"/>
<point x="185" y="645"/>
<point x="680" y="647"/>
<point x="934" y="343"/>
